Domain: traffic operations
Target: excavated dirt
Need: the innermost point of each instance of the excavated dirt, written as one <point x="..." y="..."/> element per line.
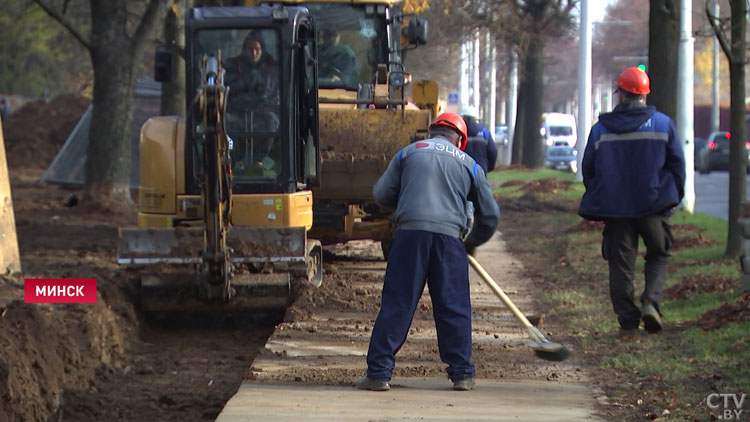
<point x="547" y="185"/>
<point x="690" y="236"/>
<point x="701" y="283"/>
<point x="736" y="311"/>
<point x="35" y="132"/>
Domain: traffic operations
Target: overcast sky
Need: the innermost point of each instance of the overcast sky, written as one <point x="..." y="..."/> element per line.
<point x="597" y="8"/>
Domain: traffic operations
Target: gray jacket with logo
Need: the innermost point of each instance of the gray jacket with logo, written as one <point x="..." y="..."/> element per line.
<point x="429" y="183"/>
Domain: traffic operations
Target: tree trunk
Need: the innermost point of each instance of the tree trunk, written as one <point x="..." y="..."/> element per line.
<point x="533" y="70"/>
<point x="663" y="40"/>
<point x="173" y="92"/>
<point x="518" y="131"/>
<point x="737" y="152"/>
<point x="114" y="55"/>
<point x="107" y="182"/>
<point x="108" y="163"/>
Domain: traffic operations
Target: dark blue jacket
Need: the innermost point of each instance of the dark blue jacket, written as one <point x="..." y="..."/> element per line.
<point x="633" y="165"/>
<point x="480" y="146"/>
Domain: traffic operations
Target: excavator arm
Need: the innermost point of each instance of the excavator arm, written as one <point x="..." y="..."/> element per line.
<point x="216" y="189"/>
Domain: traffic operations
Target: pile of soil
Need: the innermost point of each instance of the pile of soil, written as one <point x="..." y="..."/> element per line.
<point x="532" y="202"/>
<point x="47" y="349"/>
<point x="36" y="132"/>
<point x="341" y="291"/>
<point x="690" y="236"/>
<point x="737" y="311"/>
<point x="699" y="283"/>
<point x="546" y="185"/>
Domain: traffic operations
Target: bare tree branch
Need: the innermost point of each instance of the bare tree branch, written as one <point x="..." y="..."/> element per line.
<point x="153" y="14"/>
<point x="718" y="31"/>
<point x="82" y="38"/>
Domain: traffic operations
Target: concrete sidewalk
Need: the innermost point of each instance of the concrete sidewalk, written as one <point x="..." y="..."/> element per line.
<point x="307" y="372"/>
<point x="411" y="400"/>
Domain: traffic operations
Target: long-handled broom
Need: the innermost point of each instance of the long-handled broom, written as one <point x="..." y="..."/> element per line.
<point x="543" y="348"/>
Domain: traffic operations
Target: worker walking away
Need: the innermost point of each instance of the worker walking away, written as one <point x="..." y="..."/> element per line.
<point x="480" y="146"/>
<point x="634" y="174"/>
<point x="428" y="183"/>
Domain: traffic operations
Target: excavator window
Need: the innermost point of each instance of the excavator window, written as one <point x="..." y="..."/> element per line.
<point x="351" y="43"/>
<point x="251" y="72"/>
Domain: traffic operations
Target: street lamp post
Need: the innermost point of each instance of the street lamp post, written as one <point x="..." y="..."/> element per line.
<point x="584" y="84"/>
<point x="685" y="100"/>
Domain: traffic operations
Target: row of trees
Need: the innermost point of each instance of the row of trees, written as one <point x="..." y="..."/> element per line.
<point x="522" y="27"/>
<point x="116" y="33"/>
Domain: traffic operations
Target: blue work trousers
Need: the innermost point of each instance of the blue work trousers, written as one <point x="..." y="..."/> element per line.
<point x="417" y="257"/>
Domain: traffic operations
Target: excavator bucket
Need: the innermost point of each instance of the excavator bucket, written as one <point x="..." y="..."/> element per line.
<point x="184" y="245"/>
<point x="180" y="291"/>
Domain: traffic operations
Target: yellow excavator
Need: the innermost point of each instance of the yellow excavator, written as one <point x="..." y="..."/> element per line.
<point x="225" y="197"/>
<point x="370" y="107"/>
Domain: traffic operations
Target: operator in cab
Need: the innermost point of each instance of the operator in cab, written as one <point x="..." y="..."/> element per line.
<point x="337" y="61"/>
<point x="253" y="107"/>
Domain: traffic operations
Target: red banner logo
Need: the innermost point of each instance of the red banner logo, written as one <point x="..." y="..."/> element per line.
<point x="59" y="290"/>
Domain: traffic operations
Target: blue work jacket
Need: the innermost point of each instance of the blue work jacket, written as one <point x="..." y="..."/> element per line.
<point x="633" y="165"/>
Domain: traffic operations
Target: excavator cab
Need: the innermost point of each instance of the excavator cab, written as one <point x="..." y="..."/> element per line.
<point x="271" y="108"/>
<point x="225" y="198"/>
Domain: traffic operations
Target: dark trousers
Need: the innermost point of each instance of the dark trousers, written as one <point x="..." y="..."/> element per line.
<point x="620" y="249"/>
<point x="417" y="257"/>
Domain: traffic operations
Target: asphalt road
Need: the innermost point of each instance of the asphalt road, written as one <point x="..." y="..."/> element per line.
<point x="712" y="193"/>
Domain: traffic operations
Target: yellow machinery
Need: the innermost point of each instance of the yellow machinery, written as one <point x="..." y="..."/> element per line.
<point x="365" y="117"/>
<point x="225" y="200"/>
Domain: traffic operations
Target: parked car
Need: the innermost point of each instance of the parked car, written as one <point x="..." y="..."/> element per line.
<point x="501" y="135"/>
<point x="715" y="154"/>
<point x="562" y="158"/>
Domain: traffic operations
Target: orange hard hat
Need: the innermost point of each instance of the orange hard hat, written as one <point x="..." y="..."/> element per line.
<point x="634" y="80"/>
<point x="455" y="122"/>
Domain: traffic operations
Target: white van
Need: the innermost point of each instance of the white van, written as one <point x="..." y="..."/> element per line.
<point x="558" y="129"/>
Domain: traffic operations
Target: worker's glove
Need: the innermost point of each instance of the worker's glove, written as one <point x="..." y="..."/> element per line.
<point x="470" y="248"/>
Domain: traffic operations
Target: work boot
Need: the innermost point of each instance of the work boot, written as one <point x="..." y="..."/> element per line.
<point x="651" y="318"/>
<point x="627" y="334"/>
<point x="464" y="384"/>
<point x="366" y="383"/>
